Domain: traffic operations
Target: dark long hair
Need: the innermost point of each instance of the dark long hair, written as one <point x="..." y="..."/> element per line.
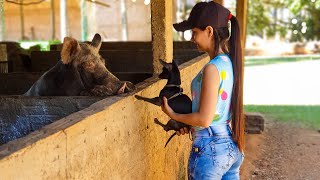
<point x="237" y="93"/>
<point x="232" y="46"/>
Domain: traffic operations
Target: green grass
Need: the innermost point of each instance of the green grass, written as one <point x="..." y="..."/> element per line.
<point x="308" y="116"/>
<point x="44" y="45"/>
<point x="275" y="60"/>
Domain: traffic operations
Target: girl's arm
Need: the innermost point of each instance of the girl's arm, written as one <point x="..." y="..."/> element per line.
<point x="208" y="101"/>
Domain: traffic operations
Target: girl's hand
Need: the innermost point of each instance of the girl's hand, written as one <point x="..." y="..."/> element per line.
<point x="166" y="108"/>
<point x="182" y="131"/>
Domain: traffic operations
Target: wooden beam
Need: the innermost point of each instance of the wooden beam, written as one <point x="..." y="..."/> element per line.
<point x="84" y="20"/>
<point x="63" y="19"/>
<point x="241" y="11"/>
<point x="161" y="30"/>
<point x="52" y="22"/>
<point x="22" y="27"/>
<point x="219" y="1"/>
<point x="3" y="52"/>
<point x="2" y="23"/>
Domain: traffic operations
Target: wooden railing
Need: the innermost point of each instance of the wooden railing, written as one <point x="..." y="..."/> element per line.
<point x="3" y="66"/>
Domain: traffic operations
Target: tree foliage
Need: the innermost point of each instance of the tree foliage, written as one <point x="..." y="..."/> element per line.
<point x="308" y="12"/>
<point x="263" y="16"/>
<point x="258" y="19"/>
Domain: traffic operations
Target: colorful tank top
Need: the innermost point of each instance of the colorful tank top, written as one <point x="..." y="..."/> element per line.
<point x="222" y="112"/>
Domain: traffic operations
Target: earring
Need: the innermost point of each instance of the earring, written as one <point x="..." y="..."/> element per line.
<point x="229" y="28"/>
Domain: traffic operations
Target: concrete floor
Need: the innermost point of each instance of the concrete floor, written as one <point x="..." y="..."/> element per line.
<point x="295" y="83"/>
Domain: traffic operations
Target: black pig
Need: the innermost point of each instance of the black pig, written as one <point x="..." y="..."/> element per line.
<point x="81" y="71"/>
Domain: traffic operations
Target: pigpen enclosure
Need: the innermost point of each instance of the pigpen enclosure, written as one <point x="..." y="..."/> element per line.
<point x="80" y="137"/>
<point x="114" y="137"/>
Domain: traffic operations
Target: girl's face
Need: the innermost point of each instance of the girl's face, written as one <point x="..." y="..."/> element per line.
<point x="203" y="39"/>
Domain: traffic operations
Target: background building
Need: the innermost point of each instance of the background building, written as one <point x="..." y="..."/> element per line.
<point x="33" y="22"/>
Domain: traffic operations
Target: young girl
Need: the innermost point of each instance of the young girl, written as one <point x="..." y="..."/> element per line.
<point x="217" y="108"/>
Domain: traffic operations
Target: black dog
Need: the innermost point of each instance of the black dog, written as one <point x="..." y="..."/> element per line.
<point x="179" y="102"/>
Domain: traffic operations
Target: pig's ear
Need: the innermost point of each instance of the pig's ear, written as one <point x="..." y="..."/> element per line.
<point x="70" y="46"/>
<point x="96" y="41"/>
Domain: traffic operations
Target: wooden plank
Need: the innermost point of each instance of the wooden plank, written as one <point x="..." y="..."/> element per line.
<point x="241" y="11"/>
<point x="134" y="60"/>
<point x="42" y="61"/>
<point x="132" y="45"/>
<point x="19" y="83"/>
<point x="219" y="1"/>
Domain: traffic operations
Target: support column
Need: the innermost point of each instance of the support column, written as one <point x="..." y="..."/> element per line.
<point x="23" y="37"/>
<point x="53" y="24"/>
<point x="219" y="1"/>
<point x="84" y="20"/>
<point x="241" y="11"/>
<point x="161" y="30"/>
<point x="2" y="23"/>
<point x="124" y="24"/>
<point x="63" y="19"/>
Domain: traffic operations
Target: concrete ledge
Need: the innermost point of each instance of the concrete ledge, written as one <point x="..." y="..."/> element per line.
<point x="114" y="138"/>
<point x="21" y="115"/>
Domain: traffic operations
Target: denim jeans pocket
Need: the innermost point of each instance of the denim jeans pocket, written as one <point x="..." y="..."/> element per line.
<point x="225" y="153"/>
<point x="211" y="157"/>
<point x="198" y="152"/>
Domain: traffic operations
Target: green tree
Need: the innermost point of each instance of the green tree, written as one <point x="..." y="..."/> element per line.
<point x="258" y="18"/>
<point x="267" y="16"/>
<point x="311" y="12"/>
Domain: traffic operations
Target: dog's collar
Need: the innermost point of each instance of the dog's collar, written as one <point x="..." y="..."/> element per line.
<point x="175" y="95"/>
<point x="173" y="85"/>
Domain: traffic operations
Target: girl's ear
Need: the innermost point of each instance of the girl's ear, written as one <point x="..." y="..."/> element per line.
<point x="209" y="30"/>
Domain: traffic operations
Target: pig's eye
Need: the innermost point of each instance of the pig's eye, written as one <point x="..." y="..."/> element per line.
<point x="88" y="65"/>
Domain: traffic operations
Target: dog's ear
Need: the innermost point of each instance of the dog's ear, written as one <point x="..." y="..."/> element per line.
<point x="166" y="65"/>
<point x="163" y="63"/>
<point x="174" y="62"/>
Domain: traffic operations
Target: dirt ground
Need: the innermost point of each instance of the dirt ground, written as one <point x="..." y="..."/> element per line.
<point x="282" y="151"/>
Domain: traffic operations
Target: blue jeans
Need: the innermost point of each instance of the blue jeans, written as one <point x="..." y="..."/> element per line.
<point x="214" y="155"/>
